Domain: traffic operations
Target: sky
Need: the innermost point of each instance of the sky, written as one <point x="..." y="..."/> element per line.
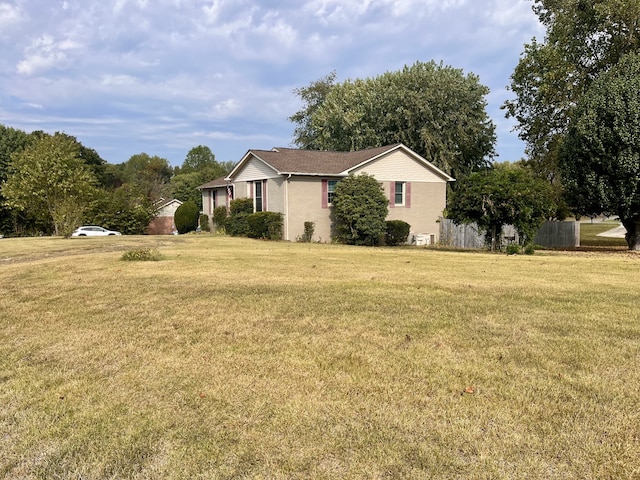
<point x="163" y="76"/>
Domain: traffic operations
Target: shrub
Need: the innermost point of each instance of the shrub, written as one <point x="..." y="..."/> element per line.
<point x="186" y="217"/>
<point x="241" y="205"/>
<point x="530" y="249"/>
<point x="142" y="255"/>
<point x="360" y="209"/>
<point x="204" y="222"/>
<point x="219" y="217"/>
<point x="307" y="236"/>
<point x="513" y="249"/>
<point x="396" y="232"/>
<point x="268" y="225"/>
<point x="236" y="224"/>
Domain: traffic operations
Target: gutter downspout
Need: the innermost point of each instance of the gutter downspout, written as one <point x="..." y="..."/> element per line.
<point x="286" y="207"/>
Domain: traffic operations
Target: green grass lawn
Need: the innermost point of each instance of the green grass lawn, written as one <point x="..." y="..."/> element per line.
<point x="236" y="358"/>
<point x="589" y="235"/>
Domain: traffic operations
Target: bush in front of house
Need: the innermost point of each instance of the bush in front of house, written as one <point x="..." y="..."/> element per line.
<point x="236" y="224"/>
<point x="360" y="208"/>
<point x="396" y="233"/>
<point x="186" y="217"/>
<point x="240" y="206"/>
<point x="266" y="225"/>
<point x="219" y="217"/>
<point x="307" y="236"/>
<point x="204" y="222"/>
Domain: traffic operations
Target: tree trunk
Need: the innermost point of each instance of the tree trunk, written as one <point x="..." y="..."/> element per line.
<point x="633" y="232"/>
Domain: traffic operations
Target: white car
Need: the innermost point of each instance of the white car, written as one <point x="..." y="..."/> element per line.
<point x="93" y="231"/>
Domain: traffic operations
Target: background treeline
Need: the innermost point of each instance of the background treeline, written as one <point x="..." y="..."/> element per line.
<point x="50" y="184"/>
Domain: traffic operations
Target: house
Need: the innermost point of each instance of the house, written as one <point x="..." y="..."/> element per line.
<point x="300" y="184"/>
<point x="163" y="224"/>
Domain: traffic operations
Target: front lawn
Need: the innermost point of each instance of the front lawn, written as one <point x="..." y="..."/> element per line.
<point x="237" y="358"/>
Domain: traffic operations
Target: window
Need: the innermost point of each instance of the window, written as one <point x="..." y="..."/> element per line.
<point x="399" y="193"/>
<point x="257" y="196"/>
<point x="331" y="191"/>
<point x="328" y="192"/>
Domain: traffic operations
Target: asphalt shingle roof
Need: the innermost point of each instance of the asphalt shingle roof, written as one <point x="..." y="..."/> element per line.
<point x="311" y="162"/>
<point x="218" y="182"/>
<point x="314" y="162"/>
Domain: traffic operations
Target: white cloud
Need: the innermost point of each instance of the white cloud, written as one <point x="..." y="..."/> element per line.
<point x="46" y="53"/>
<point x="118" y="80"/>
<point x="212" y="11"/>
<point x="10" y="18"/>
<point x="119" y="6"/>
<point x="225" y="109"/>
<point x="228" y="67"/>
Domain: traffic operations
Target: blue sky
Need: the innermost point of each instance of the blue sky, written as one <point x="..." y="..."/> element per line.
<point x="163" y="76"/>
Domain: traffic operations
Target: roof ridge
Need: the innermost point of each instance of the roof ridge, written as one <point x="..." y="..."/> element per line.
<point x="381" y="147"/>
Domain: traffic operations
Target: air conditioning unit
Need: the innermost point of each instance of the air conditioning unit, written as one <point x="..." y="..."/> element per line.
<point x="424" y="239"/>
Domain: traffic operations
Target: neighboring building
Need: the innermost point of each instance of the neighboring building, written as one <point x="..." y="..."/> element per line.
<point x="300" y="184"/>
<point x="163" y="223"/>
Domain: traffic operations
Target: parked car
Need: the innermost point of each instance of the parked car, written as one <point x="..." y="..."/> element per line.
<point x="93" y="231"/>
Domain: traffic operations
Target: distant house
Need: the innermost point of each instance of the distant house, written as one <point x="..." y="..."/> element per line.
<point x="163" y="223"/>
<point x="300" y="184"/>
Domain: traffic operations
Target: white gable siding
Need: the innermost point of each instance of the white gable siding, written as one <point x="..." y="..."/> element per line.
<point x="398" y="166"/>
<point x="169" y="210"/>
<point x="254" y="169"/>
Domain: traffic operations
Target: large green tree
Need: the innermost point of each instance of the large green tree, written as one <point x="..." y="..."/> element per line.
<point x="11" y="141"/>
<point x="583" y="38"/>
<point x="312" y="96"/>
<point x="198" y="159"/>
<point x="50" y="180"/>
<point x="199" y="166"/>
<point x="150" y="175"/>
<point x="123" y="209"/>
<point x="600" y="159"/>
<point x="435" y="110"/>
<point x="505" y="194"/>
<point x="360" y="208"/>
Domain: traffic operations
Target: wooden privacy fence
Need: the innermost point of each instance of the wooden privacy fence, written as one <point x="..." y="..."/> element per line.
<point x="460" y="236"/>
<point x="550" y="235"/>
<point x="558" y="235"/>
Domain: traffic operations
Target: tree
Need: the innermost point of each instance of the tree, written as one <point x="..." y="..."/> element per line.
<point x="583" y="38"/>
<point x="199" y="166"/>
<point x="150" y="175"/>
<point x="123" y="209"/>
<point x="436" y="111"/>
<point x="503" y="195"/>
<point x="184" y="187"/>
<point x="50" y="180"/>
<point x="312" y="97"/>
<point x="360" y="208"/>
<point x="601" y="156"/>
<point x="11" y="141"/>
<point x="197" y="159"/>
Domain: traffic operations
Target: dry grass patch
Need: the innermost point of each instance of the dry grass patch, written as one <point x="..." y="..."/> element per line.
<point x="235" y="358"/>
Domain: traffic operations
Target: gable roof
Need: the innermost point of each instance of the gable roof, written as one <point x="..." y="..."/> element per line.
<point x="160" y="204"/>
<point x="291" y="161"/>
<point x="218" y="182"/>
